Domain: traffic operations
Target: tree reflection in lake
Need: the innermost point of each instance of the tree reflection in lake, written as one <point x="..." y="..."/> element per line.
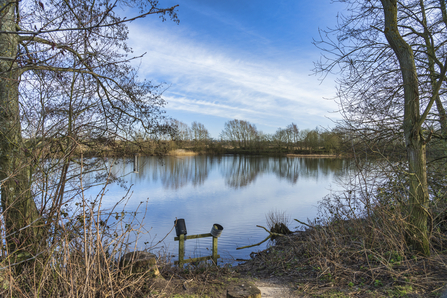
<point x="239" y="170"/>
<point x="173" y="172"/>
<point x="177" y="172"/>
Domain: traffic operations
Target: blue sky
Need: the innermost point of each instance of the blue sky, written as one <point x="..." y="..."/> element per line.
<point x="248" y="59"/>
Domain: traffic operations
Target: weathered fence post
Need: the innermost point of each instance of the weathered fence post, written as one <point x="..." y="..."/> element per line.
<point x="181" y="250"/>
<point x="181" y="237"/>
<point x="214" y="255"/>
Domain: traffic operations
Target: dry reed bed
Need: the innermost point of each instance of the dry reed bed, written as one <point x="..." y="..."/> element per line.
<point x="182" y="152"/>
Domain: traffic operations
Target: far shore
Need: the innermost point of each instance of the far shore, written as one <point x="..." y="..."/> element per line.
<point x="183" y="152"/>
<point x="313" y="155"/>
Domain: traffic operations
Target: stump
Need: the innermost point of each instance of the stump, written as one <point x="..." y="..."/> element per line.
<point x="280" y="228"/>
<point x="244" y="291"/>
<point x="140" y="262"/>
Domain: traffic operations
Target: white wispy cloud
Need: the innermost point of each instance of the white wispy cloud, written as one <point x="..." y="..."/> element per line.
<point x="215" y="80"/>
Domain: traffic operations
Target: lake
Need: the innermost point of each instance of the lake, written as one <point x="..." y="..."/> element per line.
<point x="234" y="191"/>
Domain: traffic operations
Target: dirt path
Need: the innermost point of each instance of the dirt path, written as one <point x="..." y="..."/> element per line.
<point x="272" y="288"/>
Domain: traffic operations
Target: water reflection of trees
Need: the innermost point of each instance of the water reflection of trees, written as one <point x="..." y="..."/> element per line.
<point x="176" y="172"/>
<point x="321" y="167"/>
<point x="238" y="171"/>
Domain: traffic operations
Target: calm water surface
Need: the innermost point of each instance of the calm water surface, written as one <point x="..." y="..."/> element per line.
<point x="234" y="191"/>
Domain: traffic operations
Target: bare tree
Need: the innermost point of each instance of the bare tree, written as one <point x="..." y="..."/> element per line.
<point x="390" y="58"/>
<point x="294" y="134"/>
<point x="184" y="133"/>
<point x="200" y="135"/>
<point x="66" y="80"/>
<point x="279" y="138"/>
<point x="240" y="133"/>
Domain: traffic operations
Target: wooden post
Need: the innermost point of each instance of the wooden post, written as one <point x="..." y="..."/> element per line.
<point x="214" y="255"/>
<point x="181" y="250"/>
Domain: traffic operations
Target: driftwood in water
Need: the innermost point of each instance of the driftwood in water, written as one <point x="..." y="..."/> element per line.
<point x="271" y="235"/>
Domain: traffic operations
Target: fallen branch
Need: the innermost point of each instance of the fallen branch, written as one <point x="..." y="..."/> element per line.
<point x="271" y="234"/>
<point x="303" y="223"/>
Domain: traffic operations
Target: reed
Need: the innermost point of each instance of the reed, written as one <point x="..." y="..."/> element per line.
<point x="182" y="152"/>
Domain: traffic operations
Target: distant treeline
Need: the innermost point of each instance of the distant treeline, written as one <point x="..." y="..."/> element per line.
<point x="242" y="137"/>
<point x="239" y="136"/>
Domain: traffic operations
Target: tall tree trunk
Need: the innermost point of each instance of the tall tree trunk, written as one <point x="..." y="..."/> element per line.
<point x="418" y="189"/>
<point x="18" y="208"/>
